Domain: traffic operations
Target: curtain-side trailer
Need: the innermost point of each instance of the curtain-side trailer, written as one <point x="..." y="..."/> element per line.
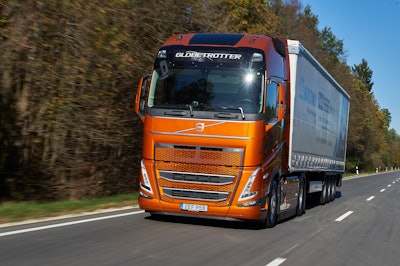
<point x="319" y="121"/>
<point x="239" y="126"/>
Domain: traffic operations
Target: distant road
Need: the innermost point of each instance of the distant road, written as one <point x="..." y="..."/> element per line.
<point x="361" y="227"/>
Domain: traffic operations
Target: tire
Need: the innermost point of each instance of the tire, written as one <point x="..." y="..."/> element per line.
<point x="272" y="212"/>
<point x="334" y="181"/>
<point x="301" y="200"/>
<point x="333" y="188"/>
<point x="323" y="193"/>
<point x="330" y="189"/>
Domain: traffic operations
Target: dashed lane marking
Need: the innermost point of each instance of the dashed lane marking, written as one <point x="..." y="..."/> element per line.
<point x="344" y="216"/>
<point x="276" y="262"/>
<point x="370" y="198"/>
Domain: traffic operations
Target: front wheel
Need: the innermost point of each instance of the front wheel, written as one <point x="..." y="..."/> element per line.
<point x="272" y="212"/>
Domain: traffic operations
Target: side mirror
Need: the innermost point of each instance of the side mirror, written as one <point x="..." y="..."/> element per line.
<point x="141" y="96"/>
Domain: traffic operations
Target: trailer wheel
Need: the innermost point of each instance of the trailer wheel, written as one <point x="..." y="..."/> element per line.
<point x="301" y="200"/>
<point x="329" y="189"/>
<point x="324" y="192"/>
<point x="272" y="212"/>
<point x="334" y="188"/>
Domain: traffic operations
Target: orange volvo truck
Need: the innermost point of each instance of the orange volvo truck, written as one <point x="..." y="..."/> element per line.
<point x="241" y="127"/>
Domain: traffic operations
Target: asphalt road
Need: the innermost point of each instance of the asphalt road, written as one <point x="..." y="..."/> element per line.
<point x="361" y="227"/>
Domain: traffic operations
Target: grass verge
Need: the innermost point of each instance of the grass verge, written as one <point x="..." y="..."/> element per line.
<point x="19" y="211"/>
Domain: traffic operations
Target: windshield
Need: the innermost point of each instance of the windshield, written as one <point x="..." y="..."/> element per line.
<point x="205" y="89"/>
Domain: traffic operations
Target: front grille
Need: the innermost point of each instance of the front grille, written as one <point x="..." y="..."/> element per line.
<point x="196" y="195"/>
<point x="197" y="173"/>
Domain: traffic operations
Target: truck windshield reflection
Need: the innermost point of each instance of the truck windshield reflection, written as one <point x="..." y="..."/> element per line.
<point x="207" y="89"/>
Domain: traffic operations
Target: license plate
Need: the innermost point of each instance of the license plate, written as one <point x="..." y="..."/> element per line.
<point x="194" y="207"/>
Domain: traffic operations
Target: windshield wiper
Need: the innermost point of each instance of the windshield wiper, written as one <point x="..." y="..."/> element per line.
<point x="233" y="108"/>
<point x="175" y="113"/>
<point x="178" y="109"/>
<point x="191" y="110"/>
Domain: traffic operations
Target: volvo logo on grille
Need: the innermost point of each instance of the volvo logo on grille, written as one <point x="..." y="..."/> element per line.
<point x="199" y="127"/>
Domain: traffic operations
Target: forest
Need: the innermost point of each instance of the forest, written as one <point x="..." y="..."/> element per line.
<point x="69" y="70"/>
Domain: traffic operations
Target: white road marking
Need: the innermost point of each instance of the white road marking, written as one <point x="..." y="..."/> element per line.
<point x="68" y="223"/>
<point x="276" y="262"/>
<point x="344" y="216"/>
<point x="382" y="190"/>
<point x="370" y="198"/>
<point x="389" y="185"/>
<point x="290" y="249"/>
<point x="67" y="216"/>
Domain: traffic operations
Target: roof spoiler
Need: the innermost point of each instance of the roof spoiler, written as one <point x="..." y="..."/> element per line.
<point x="279" y="45"/>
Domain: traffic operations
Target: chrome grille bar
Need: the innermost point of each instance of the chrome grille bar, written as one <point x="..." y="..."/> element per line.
<point x="197" y="178"/>
<point x="196" y="194"/>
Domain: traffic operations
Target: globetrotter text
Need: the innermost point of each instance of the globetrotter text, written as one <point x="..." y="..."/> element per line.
<point x="194" y="54"/>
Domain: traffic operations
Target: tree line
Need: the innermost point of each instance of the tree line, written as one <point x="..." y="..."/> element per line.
<point x="69" y="71"/>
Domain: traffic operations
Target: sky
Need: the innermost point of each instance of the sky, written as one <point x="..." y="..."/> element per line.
<point x="370" y="30"/>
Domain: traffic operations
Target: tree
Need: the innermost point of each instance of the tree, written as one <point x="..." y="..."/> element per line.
<point x="363" y="73"/>
<point x="307" y="30"/>
<point x="388" y="116"/>
<point x="394" y="151"/>
<point x="250" y="16"/>
<point x="332" y="46"/>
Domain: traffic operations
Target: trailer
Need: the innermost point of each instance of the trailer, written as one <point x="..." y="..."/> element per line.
<point x="319" y="120"/>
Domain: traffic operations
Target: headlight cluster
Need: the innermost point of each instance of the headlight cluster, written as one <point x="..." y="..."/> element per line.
<point x="247" y="193"/>
<point x="146" y="181"/>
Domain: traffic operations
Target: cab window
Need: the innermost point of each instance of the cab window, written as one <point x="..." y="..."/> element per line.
<point x="271" y="102"/>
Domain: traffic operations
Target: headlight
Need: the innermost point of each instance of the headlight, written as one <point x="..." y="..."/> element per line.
<point x="247" y="193"/>
<point x="146" y="185"/>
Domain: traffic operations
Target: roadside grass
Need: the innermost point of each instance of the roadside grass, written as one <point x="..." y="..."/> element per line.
<point x="19" y="211"/>
<point x="348" y="175"/>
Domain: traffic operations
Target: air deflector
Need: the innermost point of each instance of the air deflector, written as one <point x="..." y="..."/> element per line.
<point x="216" y="39"/>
